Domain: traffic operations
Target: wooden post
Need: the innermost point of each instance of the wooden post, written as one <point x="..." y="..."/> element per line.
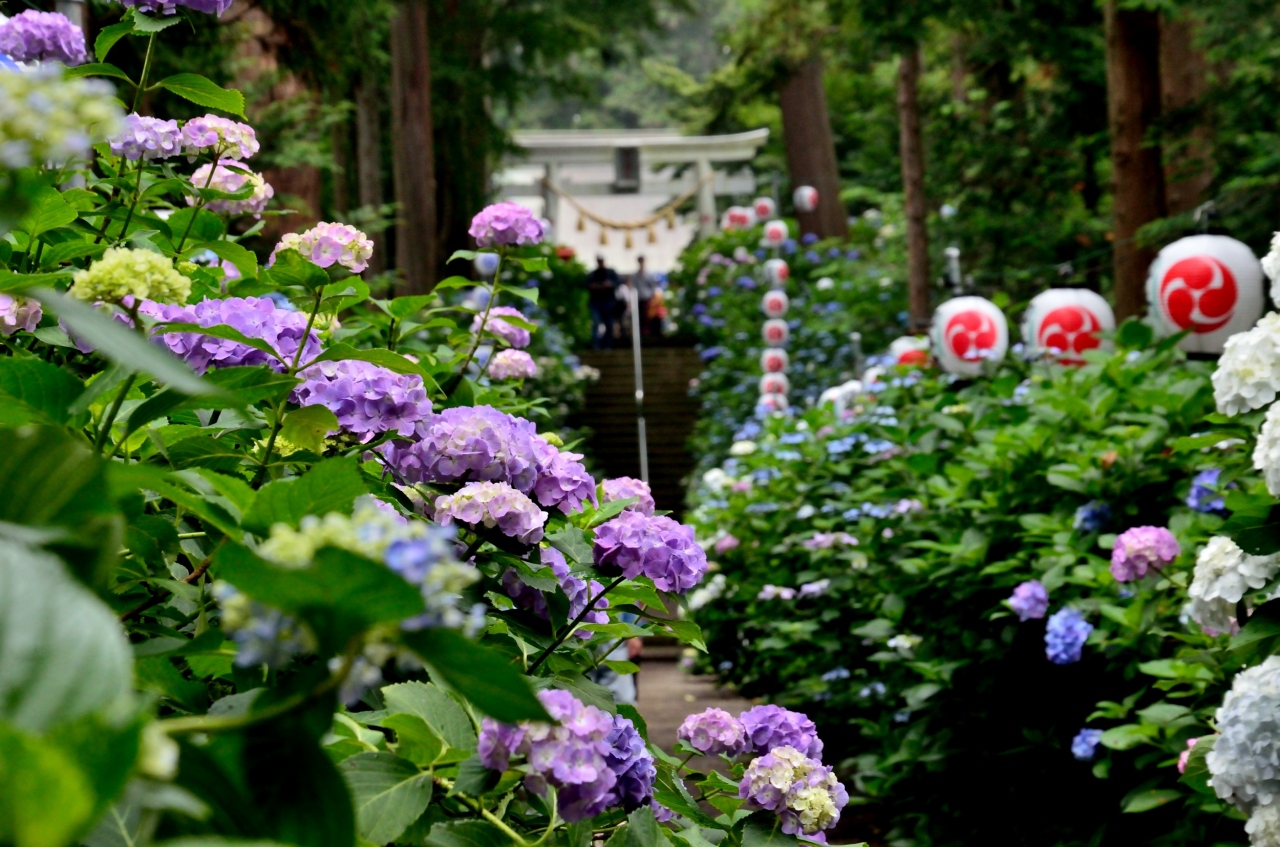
<point x="369" y="161"/>
<point x="911" y="146"/>
<point x="1188" y="161"/>
<point x="414" y="149"/>
<point x="811" y="152"/>
<point x="706" y="198"/>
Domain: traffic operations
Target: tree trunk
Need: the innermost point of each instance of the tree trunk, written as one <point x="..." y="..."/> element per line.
<point x="1133" y="106"/>
<point x="911" y="147"/>
<point x="1188" y="160"/>
<point x="415" y="175"/>
<point x="811" y="154"/>
<point x="369" y="161"/>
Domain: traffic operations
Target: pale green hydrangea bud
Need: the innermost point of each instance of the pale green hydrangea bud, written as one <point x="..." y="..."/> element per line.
<point x="124" y="272"/>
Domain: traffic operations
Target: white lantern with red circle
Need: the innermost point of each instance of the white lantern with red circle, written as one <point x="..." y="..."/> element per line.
<point x="774" y="361"/>
<point x="775" y="384"/>
<point x="775" y="233"/>
<point x="910" y="350"/>
<point x="774" y="402"/>
<point x="967" y="332"/>
<point x="777" y="272"/>
<point x="805" y="198"/>
<point x="775" y="303"/>
<point x="764" y="208"/>
<point x="1208" y="284"/>
<point x="775" y="332"/>
<point x="738" y="217"/>
<point x="1065" y="322"/>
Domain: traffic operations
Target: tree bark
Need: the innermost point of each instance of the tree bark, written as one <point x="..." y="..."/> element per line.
<point x="911" y="147"/>
<point x="1133" y="106"/>
<point x="369" y="162"/>
<point x="414" y="151"/>
<point x="811" y="153"/>
<point x="1184" y="82"/>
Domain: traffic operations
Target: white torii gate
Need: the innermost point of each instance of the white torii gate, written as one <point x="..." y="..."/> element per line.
<point x="627" y="174"/>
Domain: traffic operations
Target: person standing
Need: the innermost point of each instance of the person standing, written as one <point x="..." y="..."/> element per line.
<point x="645" y="285"/>
<point x="602" y="300"/>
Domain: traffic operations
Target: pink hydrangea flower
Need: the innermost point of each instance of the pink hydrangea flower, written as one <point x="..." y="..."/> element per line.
<point x="329" y="244"/>
<point x="227" y="138"/>
<point x="506" y="224"/>
<point x="512" y="364"/>
<point x="1141" y="549"/>
<point x="18" y="313"/>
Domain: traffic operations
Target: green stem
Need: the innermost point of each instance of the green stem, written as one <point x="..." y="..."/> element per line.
<point x="213" y="168"/>
<point x="279" y="408"/>
<point x="391" y="336"/>
<point x="457" y="378"/>
<point x="146" y="71"/>
<point x="133" y="206"/>
<point x="568" y="630"/>
<point x="110" y="419"/>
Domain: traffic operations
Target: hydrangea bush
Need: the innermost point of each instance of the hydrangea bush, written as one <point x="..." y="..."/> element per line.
<point x="284" y="563"/>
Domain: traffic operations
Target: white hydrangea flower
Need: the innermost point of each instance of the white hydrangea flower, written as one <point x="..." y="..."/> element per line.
<point x="716" y="480"/>
<point x="1266" y="454"/>
<point x="709" y="591"/>
<point x="1245" y="761"/>
<point x="1271" y="267"/>
<point x="742" y="448"/>
<point x="1224" y="574"/>
<point x="1248" y="374"/>
<point x="1264" y="826"/>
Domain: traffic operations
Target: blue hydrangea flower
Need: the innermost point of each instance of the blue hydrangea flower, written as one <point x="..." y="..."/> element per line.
<point x="1085" y="744"/>
<point x="1065" y="636"/>
<point x="1205" y="495"/>
<point x="1092" y="516"/>
<point x="835" y="674"/>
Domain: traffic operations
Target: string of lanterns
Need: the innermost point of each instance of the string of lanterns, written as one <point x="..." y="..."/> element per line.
<point x="667" y="213"/>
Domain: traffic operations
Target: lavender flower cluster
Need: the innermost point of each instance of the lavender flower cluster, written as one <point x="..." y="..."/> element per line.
<point x="367" y="399"/>
<point x="43" y="37"/>
<point x="512" y="364"/>
<point x="254" y="317"/>
<point x="169" y="7"/>
<point x="1030" y="600"/>
<point x="803" y="792"/>
<point x="493" y="504"/>
<point x="594" y="760"/>
<point x="229" y="177"/>
<point x="506" y="224"/>
<point x="1065" y="636"/>
<point x="516" y="336"/>
<point x="329" y="244"/>
<point x="633" y="544"/>
<point x="578" y="591"/>
<point x="19" y="313"/>
<point x="1141" y="549"/>
<point x="147" y="139"/>
<point x="225" y="138"/>
<point x="626" y="488"/>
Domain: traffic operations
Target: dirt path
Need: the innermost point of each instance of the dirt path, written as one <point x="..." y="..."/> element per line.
<point x="668" y="695"/>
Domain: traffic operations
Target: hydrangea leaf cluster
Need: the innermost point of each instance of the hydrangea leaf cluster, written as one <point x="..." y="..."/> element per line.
<point x="578" y="591"/>
<point x="633" y="544"/>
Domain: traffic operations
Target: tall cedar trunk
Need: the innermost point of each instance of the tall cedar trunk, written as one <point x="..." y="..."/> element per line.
<point x="369" y="161"/>
<point x="811" y="154"/>
<point x="340" y="140"/>
<point x="415" y="172"/>
<point x="1184" y="82"/>
<point x="1133" y="106"/>
<point x="911" y="147"/>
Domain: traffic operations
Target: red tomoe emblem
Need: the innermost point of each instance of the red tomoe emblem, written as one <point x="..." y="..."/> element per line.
<point x="1199" y="293"/>
<point x="914" y="357"/>
<point x="1070" y="329"/>
<point x="969" y="334"/>
<point x="775" y="333"/>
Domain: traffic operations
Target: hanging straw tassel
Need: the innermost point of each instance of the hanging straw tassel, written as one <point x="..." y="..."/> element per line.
<point x="604" y="236"/>
<point x="582" y="224"/>
<point x="671" y="219"/>
<point x="653" y="236"/>
<point x="628" y="244"/>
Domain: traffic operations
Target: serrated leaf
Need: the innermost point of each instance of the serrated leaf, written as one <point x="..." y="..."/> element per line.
<point x="98" y="69"/>
<point x="415" y="739"/>
<point x="48" y="211"/>
<point x="572" y="542"/>
<point x="149" y="25"/>
<point x="244" y="260"/>
<point x="204" y="92"/>
<point x="292" y="269"/>
<point x="1145" y="801"/>
<point x="390" y="793"/>
<point x="109" y="36"/>
<point x="467" y="834"/>
<point x="485" y="677"/>
<point x="330" y="486"/>
<point x="36" y="391"/>
<point x="434" y="706"/>
<point x="405" y="307"/>
<point x="309" y="426"/>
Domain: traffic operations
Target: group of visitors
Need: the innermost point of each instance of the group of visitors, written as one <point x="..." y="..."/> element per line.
<point x="610" y="298"/>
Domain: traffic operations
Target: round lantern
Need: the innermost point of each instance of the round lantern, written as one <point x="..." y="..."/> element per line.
<point x="1208" y="284"/>
<point x="777" y="271"/>
<point x="774" y="361"/>
<point x="775" y="332"/>
<point x="966" y="332"/>
<point x="910" y="350"/>
<point x="764" y="207"/>
<point x="775" y="303"/>
<point x="775" y="233"/>
<point x="739" y="217"/>
<point x="1065" y="322"/>
<point x="774" y="402"/>
<point x="805" y="198"/>
<point x="775" y="384"/>
<point x="487" y="263"/>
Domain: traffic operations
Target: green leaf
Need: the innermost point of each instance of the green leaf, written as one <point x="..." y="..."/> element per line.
<point x="485" y="677"/>
<point x="389" y="792"/>
<point x="467" y="834"/>
<point x="465" y="255"/>
<point x="340" y="594"/>
<point x="99" y="69"/>
<point x="687" y="631"/>
<point x="244" y="260"/>
<point x="149" y="25"/>
<point x="109" y="36"/>
<point x="291" y="269"/>
<point x="11" y="282"/>
<point x="1134" y="335"/>
<point x="1264" y="623"/>
<point x="572" y="542"/>
<point x="204" y="92"/>
<point x="435" y="707"/>
<point x="48" y="211"/>
<point x="122" y="345"/>
<point x="36" y="391"/>
<point x="45" y="799"/>
<point x="1256" y="531"/>
<point x="1128" y="735"/>
<point x="65" y="654"/>
<point x="530" y="294"/>
<point x="240" y="387"/>
<point x="405" y="307"/>
<point x="643" y="830"/>
<point x="216" y="331"/>
<point x="415" y="739"/>
<point x="533" y="265"/>
<point x="1145" y="801"/>
<point x="309" y="426"/>
<point x="384" y="358"/>
<point x="330" y="486"/>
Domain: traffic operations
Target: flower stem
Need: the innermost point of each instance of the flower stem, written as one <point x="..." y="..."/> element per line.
<point x="457" y="378"/>
<point x="146" y="71"/>
<point x="213" y="168"/>
<point x="133" y="206"/>
<point x="109" y="420"/>
<point x="568" y="630"/>
<point x="279" y="409"/>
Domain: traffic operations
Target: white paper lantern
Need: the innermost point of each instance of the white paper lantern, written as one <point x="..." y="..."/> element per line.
<point x="805" y="198"/>
<point x="775" y="332"/>
<point x="487" y="264"/>
<point x="775" y="303"/>
<point x="966" y="332"/>
<point x="910" y="350"/>
<point x="1209" y="284"/>
<point x="764" y="207"/>
<point x="1065" y="322"/>
<point x="774" y="361"/>
<point x="774" y="402"/>
<point x="775" y="384"/>
<point x="775" y="233"/>
<point x="777" y="272"/>
<point x="738" y="217"/>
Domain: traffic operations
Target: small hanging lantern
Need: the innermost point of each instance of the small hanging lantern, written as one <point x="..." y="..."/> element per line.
<point x="775" y="303"/>
<point x="1065" y="322"/>
<point x="774" y="402"/>
<point x="805" y="198"/>
<point x="775" y="332"/>
<point x="775" y="383"/>
<point x="775" y="233"/>
<point x="777" y="271"/>
<point x="1208" y="284"/>
<point x="966" y="333"/>
<point x="739" y="217"/>
<point x="910" y="350"/>
<point x="774" y="361"/>
<point x="765" y="208"/>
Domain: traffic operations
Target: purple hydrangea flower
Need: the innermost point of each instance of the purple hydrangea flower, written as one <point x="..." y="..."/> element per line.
<point x="1205" y="495"/>
<point x="772" y="726"/>
<point x="368" y="399"/>
<point x="1065" y="636"/>
<point x="1092" y="516"/>
<point x="18" y="313"/>
<point x="225" y="138"/>
<point x="169" y="7"/>
<point x="632" y="764"/>
<point x="724" y="545"/>
<point x="255" y="317"/>
<point x="498" y="743"/>
<point x="625" y="488"/>
<point x="329" y="244"/>
<point x="827" y="540"/>
<point x="1085" y="744"/>
<point x="661" y="813"/>
<point x="516" y="336"/>
<point x="564" y="483"/>
<point x="1141" y="549"/>
<point x="146" y="139"/>
<point x="493" y="504"/>
<point x="231" y="177"/>
<point x="815" y="589"/>
<point x="776" y="592"/>
<point x="43" y="37"/>
<point x="579" y="592"/>
<point x="803" y="792"/>
<point x="512" y="364"/>
<point x="1029" y="600"/>
<point x="657" y="547"/>
<point x="508" y="224"/>
<point x="713" y="731"/>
